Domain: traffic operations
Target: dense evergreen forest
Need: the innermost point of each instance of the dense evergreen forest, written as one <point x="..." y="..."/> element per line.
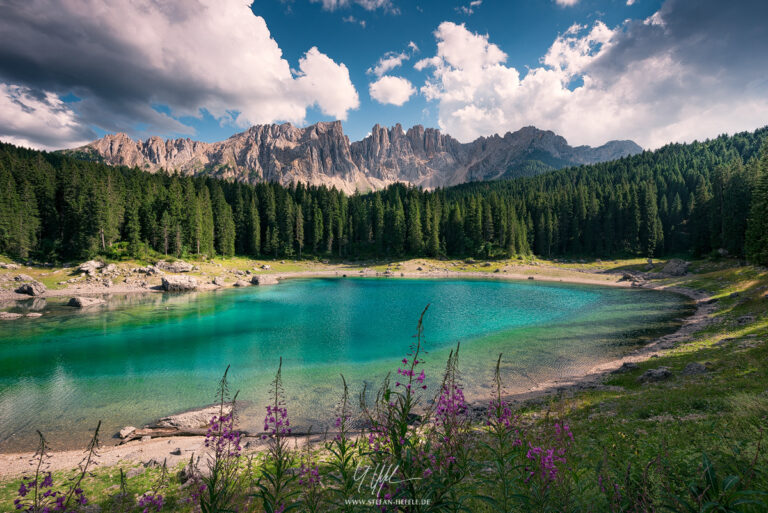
<point x="683" y="198"/>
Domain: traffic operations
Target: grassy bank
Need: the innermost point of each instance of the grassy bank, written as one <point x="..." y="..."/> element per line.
<point x="638" y="446"/>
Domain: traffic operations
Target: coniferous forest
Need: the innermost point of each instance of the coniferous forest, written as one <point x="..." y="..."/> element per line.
<point x="681" y="199"/>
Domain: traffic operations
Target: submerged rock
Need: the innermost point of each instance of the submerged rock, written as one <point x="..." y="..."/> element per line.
<point x="84" y="302"/>
<point x="34" y="288"/>
<point x="174" y="283"/>
<point x="9" y="316"/>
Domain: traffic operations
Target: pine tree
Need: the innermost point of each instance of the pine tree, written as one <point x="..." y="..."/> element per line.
<point x="299" y="229"/>
<point x="757" y="225"/>
<point x="414" y="235"/>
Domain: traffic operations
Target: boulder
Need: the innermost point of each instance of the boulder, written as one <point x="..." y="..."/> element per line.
<point x="746" y="319"/>
<point x="178" y="266"/>
<point x="241" y="283"/>
<point x="127" y="431"/>
<point x="33" y="315"/>
<point x="218" y="281"/>
<point x="23" y="277"/>
<point x="8" y="266"/>
<point x="694" y="368"/>
<point x="90" y="266"/>
<point x="110" y="269"/>
<point x="676" y="267"/>
<point x="264" y="279"/>
<point x="175" y="283"/>
<point x="652" y="375"/>
<point x="266" y="267"/>
<point x="34" y="288"/>
<point x="9" y="316"/>
<point x="84" y="302"/>
<point x="193" y="419"/>
<point x="625" y="367"/>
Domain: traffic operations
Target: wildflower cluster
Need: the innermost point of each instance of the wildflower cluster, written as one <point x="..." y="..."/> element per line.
<point x="222" y="435"/>
<point x="546" y="461"/>
<point x="151" y="502"/>
<point x="276" y="421"/>
<point x="38" y="496"/>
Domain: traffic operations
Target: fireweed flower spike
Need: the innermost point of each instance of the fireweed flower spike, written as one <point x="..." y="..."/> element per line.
<point x="275" y="482"/>
<point x="217" y="489"/>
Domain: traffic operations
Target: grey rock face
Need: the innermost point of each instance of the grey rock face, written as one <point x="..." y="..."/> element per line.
<point x="321" y="154"/>
<point x="34" y="288"/>
<point x="175" y="283"/>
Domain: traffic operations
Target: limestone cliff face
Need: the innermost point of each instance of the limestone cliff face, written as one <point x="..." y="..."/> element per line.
<point x="321" y="154"/>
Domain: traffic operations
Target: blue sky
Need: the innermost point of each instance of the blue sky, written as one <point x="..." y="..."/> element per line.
<point x="654" y="71"/>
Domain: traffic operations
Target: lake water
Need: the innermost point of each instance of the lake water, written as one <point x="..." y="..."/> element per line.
<point x="145" y="356"/>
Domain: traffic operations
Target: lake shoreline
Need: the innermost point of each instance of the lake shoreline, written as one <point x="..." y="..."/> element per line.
<point x="513" y="273"/>
<point x="139" y="451"/>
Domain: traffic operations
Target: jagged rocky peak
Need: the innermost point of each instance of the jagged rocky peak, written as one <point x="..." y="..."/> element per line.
<point x="322" y="154"/>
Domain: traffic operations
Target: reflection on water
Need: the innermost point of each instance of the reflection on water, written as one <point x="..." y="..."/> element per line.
<point x="140" y="357"/>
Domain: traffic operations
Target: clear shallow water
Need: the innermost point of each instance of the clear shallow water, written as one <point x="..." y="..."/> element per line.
<point x="144" y="357"/>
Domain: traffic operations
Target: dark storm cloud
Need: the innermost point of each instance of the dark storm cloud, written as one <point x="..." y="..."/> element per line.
<point x="726" y="40"/>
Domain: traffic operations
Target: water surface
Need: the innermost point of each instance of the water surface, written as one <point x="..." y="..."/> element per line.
<point x="146" y="356"/>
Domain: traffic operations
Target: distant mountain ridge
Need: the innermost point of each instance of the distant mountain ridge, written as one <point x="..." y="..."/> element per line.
<point x="321" y="154"/>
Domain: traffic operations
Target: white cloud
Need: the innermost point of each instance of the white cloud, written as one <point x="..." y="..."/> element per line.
<point x="39" y="120"/>
<point x="352" y="19"/>
<point x="630" y="2"/>
<point x="391" y="90"/>
<point x="566" y="3"/>
<point x="653" y="82"/>
<point x="388" y="62"/>
<point x="368" y="5"/>
<point x="469" y="9"/>
<point x="195" y="55"/>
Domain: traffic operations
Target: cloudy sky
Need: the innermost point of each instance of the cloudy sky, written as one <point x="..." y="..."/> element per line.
<point x="591" y="70"/>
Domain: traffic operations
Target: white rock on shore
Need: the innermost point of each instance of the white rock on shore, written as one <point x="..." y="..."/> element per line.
<point x="175" y="283"/>
<point x="84" y="302"/>
<point x="264" y="279"/>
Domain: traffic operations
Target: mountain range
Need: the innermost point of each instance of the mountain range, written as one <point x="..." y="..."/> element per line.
<point x="322" y="154"/>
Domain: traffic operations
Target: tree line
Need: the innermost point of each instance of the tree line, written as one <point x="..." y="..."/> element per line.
<point x="683" y="198"/>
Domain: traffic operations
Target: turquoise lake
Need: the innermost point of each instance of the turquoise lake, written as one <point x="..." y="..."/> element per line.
<point x="146" y="356"/>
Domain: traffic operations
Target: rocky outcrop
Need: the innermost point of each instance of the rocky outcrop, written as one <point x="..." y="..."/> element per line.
<point x="676" y="267"/>
<point x="34" y="288"/>
<point x="85" y="302"/>
<point x="90" y="267"/>
<point x="264" y="279"/>
<point x="175" y="283"/>
<point x="321" y="154"/>
<point x="9" y="316"/>
<point x="178" y="266"/>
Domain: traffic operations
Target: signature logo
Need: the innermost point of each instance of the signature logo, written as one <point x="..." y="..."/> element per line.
<point x="374" y="478"/>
